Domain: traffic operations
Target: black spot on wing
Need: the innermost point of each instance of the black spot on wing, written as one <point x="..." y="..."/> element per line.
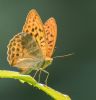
<point x="36" y="35"/>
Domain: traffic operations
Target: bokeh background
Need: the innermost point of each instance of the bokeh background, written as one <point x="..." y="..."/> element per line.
<point x="74" y="75"/>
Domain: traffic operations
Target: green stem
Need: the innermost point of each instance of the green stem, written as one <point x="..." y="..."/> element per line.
<point x="27" y="78"/>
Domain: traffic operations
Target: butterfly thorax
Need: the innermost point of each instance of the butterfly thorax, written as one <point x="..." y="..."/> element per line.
<point x="47" y="62"/>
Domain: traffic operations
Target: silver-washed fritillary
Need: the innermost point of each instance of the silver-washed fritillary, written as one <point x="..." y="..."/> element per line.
<point x="32" y="48"/>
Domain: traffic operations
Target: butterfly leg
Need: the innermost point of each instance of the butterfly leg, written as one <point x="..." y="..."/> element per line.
<point x="38" y="71"/>
<point x="46" y="76"/>
<point x="39" y="76"/>
<point x="35" y="73"/>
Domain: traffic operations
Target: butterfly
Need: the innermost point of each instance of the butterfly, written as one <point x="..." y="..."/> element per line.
<point x="32" y="48"/>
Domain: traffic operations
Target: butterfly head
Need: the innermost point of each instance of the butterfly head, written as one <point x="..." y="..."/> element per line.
<point x="47" y="62"/>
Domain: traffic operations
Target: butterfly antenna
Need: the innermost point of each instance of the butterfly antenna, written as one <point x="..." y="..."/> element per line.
<point x="70" y="54"/>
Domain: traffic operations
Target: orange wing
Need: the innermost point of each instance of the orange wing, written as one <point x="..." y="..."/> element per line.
<point x="33" y="26"/>
<point x="50" y="28"/>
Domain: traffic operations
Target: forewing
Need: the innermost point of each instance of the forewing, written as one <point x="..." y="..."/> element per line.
<point x="15" y="49"/>
<point x="23" y="51"/>
<point x="50" y="28"/>
<point x="33" y="26"/>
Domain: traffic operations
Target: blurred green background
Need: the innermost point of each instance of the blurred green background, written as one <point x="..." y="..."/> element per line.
<point x="74" y="75"/>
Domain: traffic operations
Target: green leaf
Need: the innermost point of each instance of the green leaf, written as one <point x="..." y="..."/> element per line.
<point x="31" y="81"/>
